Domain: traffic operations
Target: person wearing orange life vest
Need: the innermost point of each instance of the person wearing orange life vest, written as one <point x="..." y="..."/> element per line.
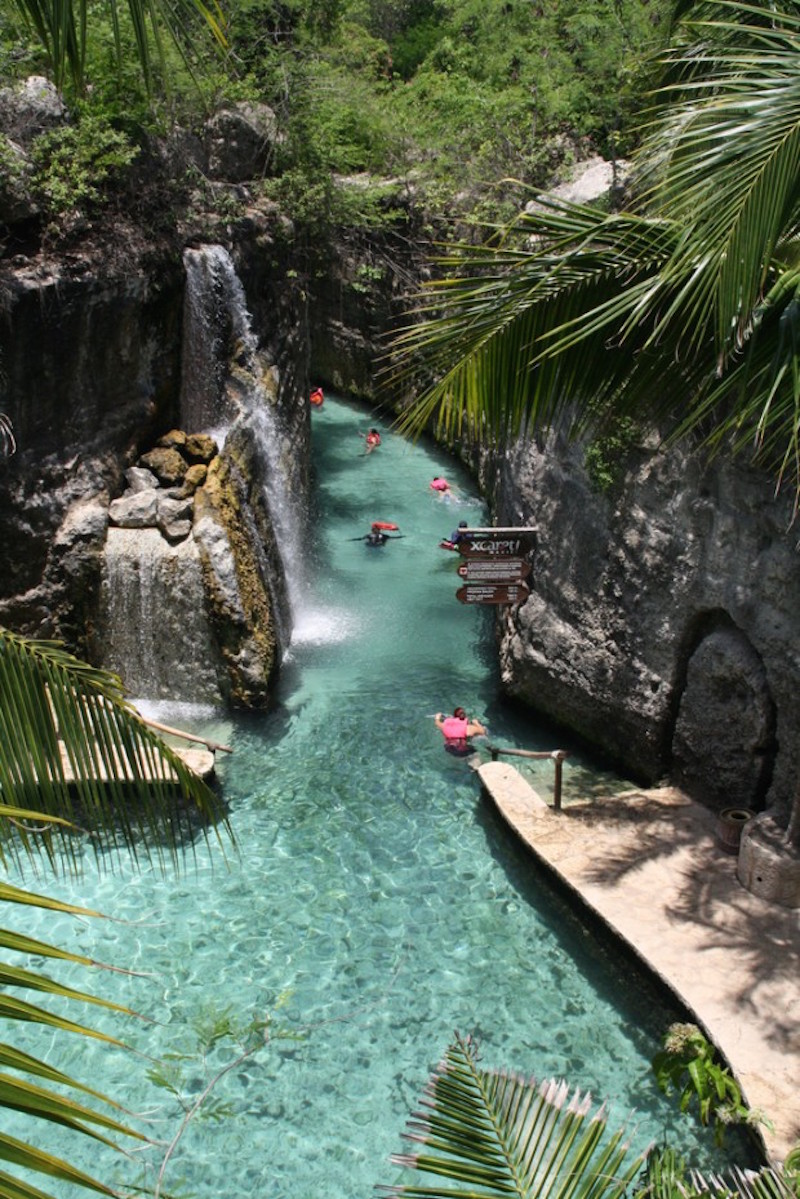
<point x="317" y="397"/>
<point x="378" y="536"/>
<point x="457" y="730"/>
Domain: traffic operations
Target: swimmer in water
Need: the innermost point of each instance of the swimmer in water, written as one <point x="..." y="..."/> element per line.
<point x="457" y="730"/>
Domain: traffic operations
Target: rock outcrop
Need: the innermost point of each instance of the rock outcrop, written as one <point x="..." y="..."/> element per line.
<point x="92" y="381"/>
<point x="664" y="617"/>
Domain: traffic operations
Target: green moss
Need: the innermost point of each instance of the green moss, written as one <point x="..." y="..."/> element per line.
<point x="219" y="498"/>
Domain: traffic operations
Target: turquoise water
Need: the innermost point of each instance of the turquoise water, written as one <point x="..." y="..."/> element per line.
<point x="375" y="904"/>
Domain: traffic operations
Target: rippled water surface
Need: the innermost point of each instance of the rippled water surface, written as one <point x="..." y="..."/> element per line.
<point x="374" y="904"/>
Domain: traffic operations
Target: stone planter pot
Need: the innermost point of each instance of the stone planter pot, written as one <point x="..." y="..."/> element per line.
<point x="730" y="823"/>
<point x="767" y="865"/>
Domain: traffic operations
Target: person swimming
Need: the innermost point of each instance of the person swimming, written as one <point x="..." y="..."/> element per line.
<point x="317" y="398"/>
<point x="459" y="534"/>
<point x="457" y="731"/>
<point x="372" y="440"/>
<point x="440" y="485"/>
<point x="378" y="535"/>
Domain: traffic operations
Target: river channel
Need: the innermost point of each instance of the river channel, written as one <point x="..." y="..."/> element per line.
<point x="374" y="903"/>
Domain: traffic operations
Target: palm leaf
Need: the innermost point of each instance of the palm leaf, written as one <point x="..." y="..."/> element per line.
<point x="61" y="27"/>
<point x="21" y="1090"/>
<point x="555" y="325"/>
<point x="496" y="1133"/>
<point x="670" y="312"/>
<point x="78" y="755"/>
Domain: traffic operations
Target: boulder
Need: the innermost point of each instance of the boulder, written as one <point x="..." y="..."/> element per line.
<point x="139" y="479"/>
<point x="241" y="141"/>
<point x="31" y="108"/>
<point x="168" y="466"/>
<point x="17" y="202"/>
<point x="135" y="509"/>
<point x="174" y="440"/>
<point x="199" y="447"/>
<point x="195" y="477"/>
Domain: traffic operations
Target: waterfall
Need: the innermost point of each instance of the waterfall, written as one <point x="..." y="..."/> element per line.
<point x="227" y="383"/>
<point x="154" y="626"/>
<point x="156" y="635"/>
<point x="216" y="331"/>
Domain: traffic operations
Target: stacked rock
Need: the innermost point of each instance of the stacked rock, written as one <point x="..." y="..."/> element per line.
<point x="162" y="484"/>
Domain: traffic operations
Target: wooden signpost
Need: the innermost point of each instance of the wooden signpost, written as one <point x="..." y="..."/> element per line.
<point x="493" y="569"/>
<point x="492" y="545"/>
<point x="479" y="593"/>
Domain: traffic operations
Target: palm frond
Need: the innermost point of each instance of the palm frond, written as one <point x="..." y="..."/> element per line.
<point x="79" y="756"/>
<point x="496" y="1133"/>
<point x="670" y="313"/>
<point x="556" y="325"/>
<point x="727" y="153"/>
<point x="22" y="1075"/>
<point x="61" y="26"/>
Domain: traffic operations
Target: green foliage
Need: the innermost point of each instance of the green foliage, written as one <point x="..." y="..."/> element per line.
<point x="688" y="1066"/>
<point x="494" y="1132"/>
<point x="791" y="1168"/>
<point x="64" y="30"/>
<point x="74" y="164"/>
<point x="606" y="454"/>
<point x="665" y="1176"/>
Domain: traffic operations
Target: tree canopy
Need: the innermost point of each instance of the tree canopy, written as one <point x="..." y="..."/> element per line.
<point x="681" y="309"/>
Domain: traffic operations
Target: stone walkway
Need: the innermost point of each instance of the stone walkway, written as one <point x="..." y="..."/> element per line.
<point x="649" y="865"/>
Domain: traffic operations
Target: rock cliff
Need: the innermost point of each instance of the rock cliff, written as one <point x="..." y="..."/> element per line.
<point x="664" y="619"/>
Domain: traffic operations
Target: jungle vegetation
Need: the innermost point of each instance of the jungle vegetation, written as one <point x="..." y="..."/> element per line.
<point x="680" y="308"/>
<point x="450" y="96"/>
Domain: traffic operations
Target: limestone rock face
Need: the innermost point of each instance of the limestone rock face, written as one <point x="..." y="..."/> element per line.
<point x="664" y="617"/>
<point x="92" y="377"/>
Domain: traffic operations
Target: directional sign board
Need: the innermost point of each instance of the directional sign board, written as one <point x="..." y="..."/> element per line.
<point x="478" y="593"/>
<point x="495" y="545"/>
<point x="494" y="570"/>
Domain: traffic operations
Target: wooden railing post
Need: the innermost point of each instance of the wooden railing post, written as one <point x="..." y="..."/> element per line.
<point x="558" y="758"/>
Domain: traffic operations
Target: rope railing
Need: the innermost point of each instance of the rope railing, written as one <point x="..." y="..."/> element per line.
<point x="557" y="756"/>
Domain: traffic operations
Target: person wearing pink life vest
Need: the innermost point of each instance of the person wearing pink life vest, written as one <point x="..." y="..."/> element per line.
<point x="457" y="730"/>
<point x="440" y="485"/>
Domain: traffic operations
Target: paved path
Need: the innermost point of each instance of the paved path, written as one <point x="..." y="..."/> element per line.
<point x="648" y="863"/>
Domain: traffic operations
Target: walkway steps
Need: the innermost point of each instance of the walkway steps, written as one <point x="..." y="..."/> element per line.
<point x="648" y="864"/>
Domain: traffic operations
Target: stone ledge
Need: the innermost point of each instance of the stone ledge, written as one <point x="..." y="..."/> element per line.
<point x="515" y="798"/>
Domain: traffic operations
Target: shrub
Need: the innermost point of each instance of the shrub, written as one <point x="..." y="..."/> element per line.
<point x="73" y="164"/>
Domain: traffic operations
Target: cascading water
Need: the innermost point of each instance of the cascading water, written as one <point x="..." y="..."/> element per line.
<point x="227" y="383"/>
<point x="157" y="636"/>
<point x="155" y="632"/>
